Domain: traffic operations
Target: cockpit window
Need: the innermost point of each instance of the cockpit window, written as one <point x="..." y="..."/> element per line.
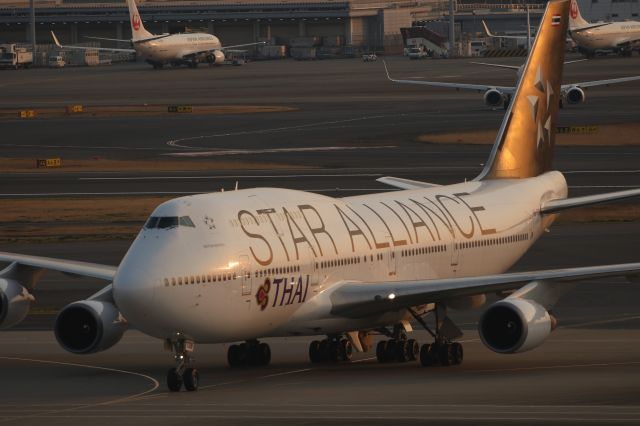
<point x="186" y="221"/>
<point x="152" y="222"/>
<point x="168" y="222"/>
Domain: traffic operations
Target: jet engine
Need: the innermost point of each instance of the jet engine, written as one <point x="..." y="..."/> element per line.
<point x="89" y="326"/>
<point x="216" y="57"/>
<point x="575" y="95"/>
<point x="515" y="325"/>
<point x="15" y="301"/>
<point x="494" y="98"/>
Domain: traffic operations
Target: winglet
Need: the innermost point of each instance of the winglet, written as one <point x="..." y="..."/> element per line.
<point x="55" y="39"/>
<point x="486" y="29"/>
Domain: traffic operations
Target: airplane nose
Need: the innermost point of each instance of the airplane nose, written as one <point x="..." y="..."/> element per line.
<point x="133" y="290"/>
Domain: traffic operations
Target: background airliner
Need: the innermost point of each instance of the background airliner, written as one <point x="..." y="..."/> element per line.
<point x="622" y="37"/>
<point x="159" y="50"/>
<point x="264" y="262"/>
<point x="497" y="96"/>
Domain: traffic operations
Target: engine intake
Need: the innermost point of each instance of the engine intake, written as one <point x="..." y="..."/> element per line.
<point x="89" y="326"/>
<point x="515" y="325"/>
<point x="216" y="57"/>
<point x="494" y="98"/>
<point x="15" y="301"/>
<point x="575" y="95"/>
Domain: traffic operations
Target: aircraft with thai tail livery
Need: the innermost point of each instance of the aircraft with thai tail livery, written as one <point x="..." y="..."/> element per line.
<point x="266" y="262"/>
<point x="159" y="50"/>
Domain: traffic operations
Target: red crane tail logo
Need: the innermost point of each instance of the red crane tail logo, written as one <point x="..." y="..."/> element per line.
<point x="135" y="22"/>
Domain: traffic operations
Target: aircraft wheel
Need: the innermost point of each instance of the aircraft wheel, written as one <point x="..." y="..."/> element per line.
<point x="174" y="381"/>
<point x="413" y="350"/>
<point x="314" y="352"/>
<point x="427" y="357"/>
<point x="445" y="355"/>
<point x="402" y="348"/>
<point x="381" y="351"/>
<point x="263" y="354"/>
<point x="346" y="350"/>
<point x="191" y="377"/>
<point x="457" y="353"/>
<point x="235" y="356"/>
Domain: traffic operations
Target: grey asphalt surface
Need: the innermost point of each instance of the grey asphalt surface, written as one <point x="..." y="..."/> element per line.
<point x="588" y="371"/>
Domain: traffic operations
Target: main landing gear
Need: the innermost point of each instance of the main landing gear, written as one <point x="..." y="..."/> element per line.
<point x="398" y="348"/>
<point x="443" y="351"/>
<point x="250" y="353"/>
<point x="183" y="373"/>
<point x="331" y="349"/>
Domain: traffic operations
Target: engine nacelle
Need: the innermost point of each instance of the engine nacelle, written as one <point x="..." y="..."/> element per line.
<point x="216" y="57"/>
<point x="575" y="95"/>
<point x="515" y="325"/>
<point x="15" y="301"/>
<point x="494" y="98"/>
<point x="89" y="326"/>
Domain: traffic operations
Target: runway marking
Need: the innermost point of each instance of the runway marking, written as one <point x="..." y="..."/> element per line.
<point x="554" y="367"/>
<point x="93" y="367"/>
<point x="600" y="322"/>
<point x="124" y="148"/>
<point x="265" y="176"/>
<point x="219" y="153"/>
<point x="177" y="142"/>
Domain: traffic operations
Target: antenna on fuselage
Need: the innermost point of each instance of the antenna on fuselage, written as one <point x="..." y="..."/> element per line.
<point x="236" y="186"/>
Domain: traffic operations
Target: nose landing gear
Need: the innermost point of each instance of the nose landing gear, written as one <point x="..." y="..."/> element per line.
<point x="183" y="372"/>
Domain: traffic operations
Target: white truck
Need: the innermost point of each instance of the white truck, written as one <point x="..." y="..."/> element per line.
<point x="418" y="53"/>
<point x="12" y="56"/>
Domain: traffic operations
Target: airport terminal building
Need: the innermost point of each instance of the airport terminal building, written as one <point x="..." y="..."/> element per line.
<point x="363" y="24"/>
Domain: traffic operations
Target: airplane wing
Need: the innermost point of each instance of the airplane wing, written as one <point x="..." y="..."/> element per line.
<point x="242" y="45"/>
<point x="589" y="27"/>
<point x="490" y="34"/>
<point x="457" y="86"/>
<point x="511" y="67"/>
<point x="109" y="39"/>
<point x="405" y="183"/>
<point x="360" y="299"/>
<point x="57" y="43"/>
<point x="94" y="270"/>
<point x="595" y="83"/>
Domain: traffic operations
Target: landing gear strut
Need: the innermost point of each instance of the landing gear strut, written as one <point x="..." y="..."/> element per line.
<point x="250" y="353"/>
<point x="183" y="372"/>
<point x="331" y="349"/>
<point x="443" y="351"/>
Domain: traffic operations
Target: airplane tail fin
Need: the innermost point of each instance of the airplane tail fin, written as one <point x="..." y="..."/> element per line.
<point x="138" y="32"/>
<point x="525" y="142"/>
<point x="575" y="17"/>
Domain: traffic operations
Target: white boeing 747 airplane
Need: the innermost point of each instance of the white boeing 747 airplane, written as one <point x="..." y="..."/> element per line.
<point x="622" y="37"/>
<point x="158" y="50"/>
<point x="265" y="262"/>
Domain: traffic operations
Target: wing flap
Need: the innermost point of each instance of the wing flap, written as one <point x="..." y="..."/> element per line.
<point x="596" y="83"/>
<point x="359" y="299"/>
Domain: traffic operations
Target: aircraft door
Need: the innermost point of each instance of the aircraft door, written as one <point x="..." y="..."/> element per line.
<point x="455" y="254"/>
<point x="391" y="257"/>
<point x="245" y="275"/>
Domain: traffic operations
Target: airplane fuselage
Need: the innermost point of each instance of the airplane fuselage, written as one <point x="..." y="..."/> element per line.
<point x="175" y="47"/>
<point x="252" y="263"/>
<point x="607" y="37"/>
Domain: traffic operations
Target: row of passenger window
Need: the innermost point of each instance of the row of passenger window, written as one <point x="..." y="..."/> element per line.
<point x="167" y="222"/>
<point x="199" y="279"/>
<point x="493" y="241"/>
<point x="440" y="248"/>
<point x="277" y="271"/>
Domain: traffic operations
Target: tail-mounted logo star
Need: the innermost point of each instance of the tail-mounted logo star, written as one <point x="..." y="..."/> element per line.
<point x="262" y="296"/>
<point x="209" y="222"/>
<point x="540" y="111"/>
